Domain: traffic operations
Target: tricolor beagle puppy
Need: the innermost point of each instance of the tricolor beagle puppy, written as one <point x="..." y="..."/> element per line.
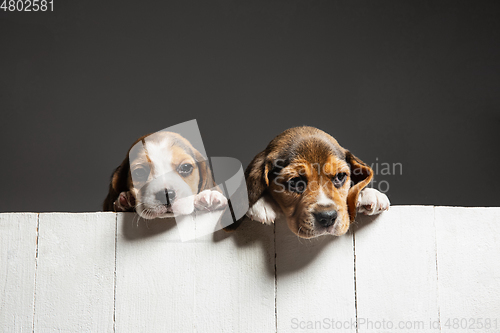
<point x="305" y="175"/>
<point x="163" y="176"/>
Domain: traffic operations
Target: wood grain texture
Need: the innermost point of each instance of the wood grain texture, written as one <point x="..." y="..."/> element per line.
<point x="433" y="268"/>
<point x="396" y="277"/>
<point x="218" y="283"/>
<point x="18" y="234"/>
<point x="315" y="282"/>
<point x="469" y="268"/>
<point x="75" y="272"/>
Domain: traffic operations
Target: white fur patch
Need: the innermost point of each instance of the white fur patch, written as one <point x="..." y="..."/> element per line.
<point x="323" y="200"/>
<point x="210" y="200"/>
<point x="264" y="210"/>
<point x="371" y="202"/>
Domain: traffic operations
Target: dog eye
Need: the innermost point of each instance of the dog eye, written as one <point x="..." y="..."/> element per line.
<point x="185" y="169"/>
<point x="140" y="174"/>
<point x="297" y="185"/>
<point x="339" y="179"/>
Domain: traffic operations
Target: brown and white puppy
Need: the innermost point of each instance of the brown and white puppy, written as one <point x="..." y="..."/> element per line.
<point x="163" y="176"/>
<point x="305" y="175"/>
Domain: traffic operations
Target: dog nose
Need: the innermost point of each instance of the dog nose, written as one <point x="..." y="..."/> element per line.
<point x="167" y="194"/>
<point x="326" y="218"/>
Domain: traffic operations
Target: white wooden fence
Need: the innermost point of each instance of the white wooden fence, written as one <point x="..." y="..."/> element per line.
<point x="412" y="269"/>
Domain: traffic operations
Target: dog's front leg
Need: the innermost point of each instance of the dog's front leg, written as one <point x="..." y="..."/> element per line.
<point x="124" y="203"/>
<point x="210" y="200"/>
<point x="371" y="202"/>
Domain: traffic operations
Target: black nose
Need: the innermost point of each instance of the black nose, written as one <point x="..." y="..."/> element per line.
<point x="326" y="218"/>
<point x="166" y="195"/>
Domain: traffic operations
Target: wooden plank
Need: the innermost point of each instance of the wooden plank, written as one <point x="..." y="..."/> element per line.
<point x="235" y="280"/>
<point x="315" y="282"/>
<point x="75" y="274"/>
<point x="468" y="252"/>
<point x="18" y="234"/>
<point x="396" y="278"/>
<point x="225" y="282"/>
<point x="218" y="283"/>
<point x="154" y="276"/>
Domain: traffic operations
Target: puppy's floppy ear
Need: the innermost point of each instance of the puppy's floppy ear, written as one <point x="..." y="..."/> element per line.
<point x="206" y="176"/>
<point x="118" y="184"/>
<point x="256" y="178"/>
<point x="361" y="176"/>
<point x="256" y="175"/>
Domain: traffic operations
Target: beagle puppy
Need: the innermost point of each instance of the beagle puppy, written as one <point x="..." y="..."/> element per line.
<point x="307" y="177"/>
<point x="163" y="176"/>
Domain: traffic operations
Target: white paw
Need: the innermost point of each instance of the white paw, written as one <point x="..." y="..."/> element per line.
<point x="371" y="202"/>
<point x="124" y="202"/>
<point x="210" y="200"/>
<point x="263" y="211"/>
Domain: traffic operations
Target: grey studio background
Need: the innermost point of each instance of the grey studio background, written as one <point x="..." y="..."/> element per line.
<point x="409" y="82"/>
